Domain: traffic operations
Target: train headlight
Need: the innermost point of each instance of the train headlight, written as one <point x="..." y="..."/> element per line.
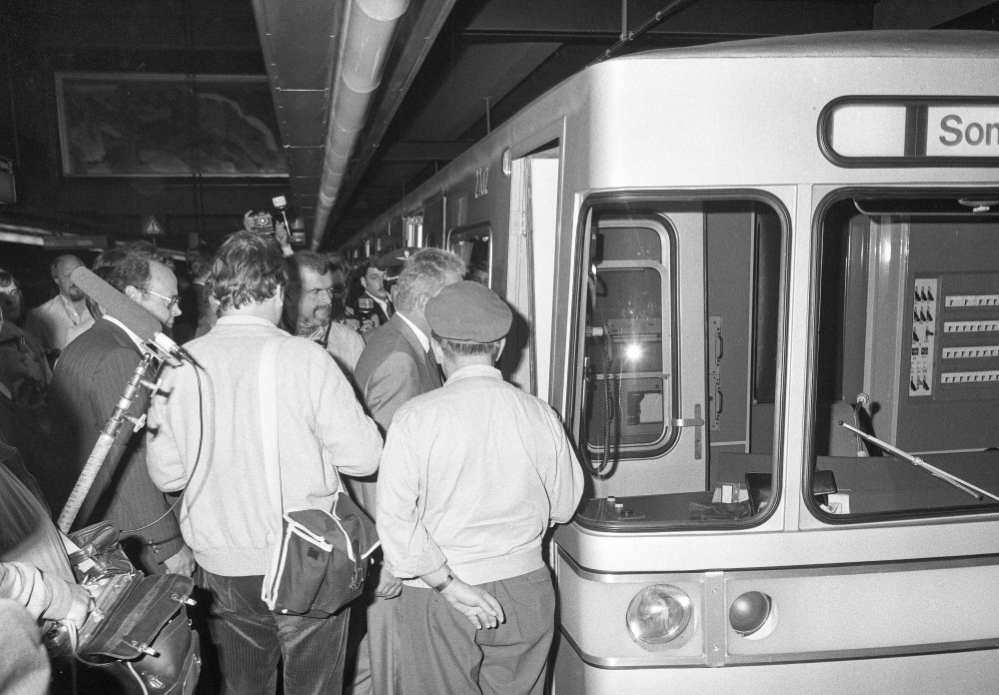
<point x="658" y="614"/>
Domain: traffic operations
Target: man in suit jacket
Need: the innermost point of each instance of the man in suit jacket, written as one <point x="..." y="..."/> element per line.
<point x="396" y="365"/>
<point x="88" y="382"/>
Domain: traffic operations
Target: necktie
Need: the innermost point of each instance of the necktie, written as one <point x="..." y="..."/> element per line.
<point x="435" y="370"/>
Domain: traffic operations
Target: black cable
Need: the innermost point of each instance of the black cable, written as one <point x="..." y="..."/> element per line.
<point x="598" y="472"/>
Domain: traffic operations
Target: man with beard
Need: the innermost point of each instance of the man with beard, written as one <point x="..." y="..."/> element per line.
<point x="87" y="385"/>
<point x="308" y="309"/>
<point x="52" y="321"/>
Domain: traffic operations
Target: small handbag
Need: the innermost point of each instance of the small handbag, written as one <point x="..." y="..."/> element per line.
<point x="322" y="559"/>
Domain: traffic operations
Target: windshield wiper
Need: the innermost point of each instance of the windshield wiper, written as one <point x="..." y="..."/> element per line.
<point x="959" y="483"/>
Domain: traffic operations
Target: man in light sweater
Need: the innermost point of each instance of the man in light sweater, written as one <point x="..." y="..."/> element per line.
<point x="472" y="476"/>
<point x="227" y="516"/>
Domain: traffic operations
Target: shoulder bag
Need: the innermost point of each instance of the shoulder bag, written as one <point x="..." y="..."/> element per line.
<point x="322" y="557"/>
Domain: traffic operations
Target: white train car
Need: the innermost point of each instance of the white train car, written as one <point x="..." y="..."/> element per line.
<point x="717" y="255"/>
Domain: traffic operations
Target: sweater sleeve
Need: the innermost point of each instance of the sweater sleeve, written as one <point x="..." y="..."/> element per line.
<point x="349" y="437"/>
<point x="43" y="597"/>
<point x="164" y="449"/>
<point x="409" y="548"/>
<point x="565" y="479"/>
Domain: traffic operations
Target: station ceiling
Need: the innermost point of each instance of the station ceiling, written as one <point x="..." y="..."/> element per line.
<point x="449" y="72"/>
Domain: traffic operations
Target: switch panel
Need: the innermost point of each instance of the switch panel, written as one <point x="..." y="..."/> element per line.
<point x="925" y="326"/>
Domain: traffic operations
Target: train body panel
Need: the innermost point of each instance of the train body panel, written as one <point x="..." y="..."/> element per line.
<point x="718" y="257"/>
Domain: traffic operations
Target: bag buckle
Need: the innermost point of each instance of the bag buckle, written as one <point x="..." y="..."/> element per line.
<point x="358" y="577"/>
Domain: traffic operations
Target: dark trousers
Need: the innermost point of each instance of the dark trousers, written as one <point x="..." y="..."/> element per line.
<point x="441" y="652"/>
<point x="250" y="641"/>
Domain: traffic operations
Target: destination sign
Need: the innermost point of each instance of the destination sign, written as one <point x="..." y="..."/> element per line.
<point x="962" y="131"/>
<point x="903" y="132"/>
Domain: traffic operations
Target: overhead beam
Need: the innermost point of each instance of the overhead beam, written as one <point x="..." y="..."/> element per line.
<point x="581" y="20"/>
<point x="424" y="151"/>
<point x="922" y="14"/>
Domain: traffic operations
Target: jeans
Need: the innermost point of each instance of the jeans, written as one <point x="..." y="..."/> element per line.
<point x="251" y="640"/>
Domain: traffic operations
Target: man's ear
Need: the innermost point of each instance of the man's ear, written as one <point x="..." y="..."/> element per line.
<point x="437" y="350"/>
<point x="133" y="293"/>
<point x="502" y="344"/>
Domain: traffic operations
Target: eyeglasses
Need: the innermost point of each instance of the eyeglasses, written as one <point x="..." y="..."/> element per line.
<point x="171" y="301"/>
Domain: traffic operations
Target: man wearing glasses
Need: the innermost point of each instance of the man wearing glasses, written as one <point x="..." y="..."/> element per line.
<point x="86" y="386"/>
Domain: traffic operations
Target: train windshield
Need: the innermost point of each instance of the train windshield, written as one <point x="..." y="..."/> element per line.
<point x="907" y="360"/>
<point x="677" y="361"/>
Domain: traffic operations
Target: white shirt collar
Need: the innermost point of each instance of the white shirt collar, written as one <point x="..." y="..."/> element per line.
<point x="420" y="335"/>
<point x="474" y="370"/>
<point x="236" y="319"/>
<point x="381" y="302"/>
<point x="131" y="334"/>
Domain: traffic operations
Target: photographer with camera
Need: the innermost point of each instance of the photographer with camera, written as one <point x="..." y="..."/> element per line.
<point x="370" y="303"/>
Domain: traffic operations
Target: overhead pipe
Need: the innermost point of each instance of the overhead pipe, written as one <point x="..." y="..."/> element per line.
<point x="369" y="27"/>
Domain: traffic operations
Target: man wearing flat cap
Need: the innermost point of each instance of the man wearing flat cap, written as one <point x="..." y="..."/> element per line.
<point x="471" y="478"/>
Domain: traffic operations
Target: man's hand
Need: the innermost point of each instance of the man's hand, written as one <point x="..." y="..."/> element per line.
<point x="80" y="608"/>
<point x="283" y="237"/>
<point x="478" y="605"/>
<point x="181" y="563"/>
<point x="389" y="585"/>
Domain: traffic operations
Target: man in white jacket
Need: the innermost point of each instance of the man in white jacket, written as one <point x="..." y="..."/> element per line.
<point x="472" y="477"/>
<point x="206" y="436"/>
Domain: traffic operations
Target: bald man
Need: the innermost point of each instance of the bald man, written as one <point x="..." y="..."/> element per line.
<point x="53" y="321"/>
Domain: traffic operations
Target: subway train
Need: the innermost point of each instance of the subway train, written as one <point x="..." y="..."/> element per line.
<point x="759" y="282"/>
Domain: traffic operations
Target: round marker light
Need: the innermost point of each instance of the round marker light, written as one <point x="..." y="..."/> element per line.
<point x="751" y="613"/>
<point x="658" y="614"/>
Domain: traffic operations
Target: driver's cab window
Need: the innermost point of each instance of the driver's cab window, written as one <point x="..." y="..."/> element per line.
<point x="677" y="361"/>
<point x="907" y="368"/>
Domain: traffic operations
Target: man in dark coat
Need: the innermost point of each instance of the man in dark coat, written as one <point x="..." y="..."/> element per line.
<point x="396" y="365"/>
<point x="87" y="384"/>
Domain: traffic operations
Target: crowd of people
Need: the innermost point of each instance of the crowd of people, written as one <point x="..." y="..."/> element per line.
<point x="386" y="389"/>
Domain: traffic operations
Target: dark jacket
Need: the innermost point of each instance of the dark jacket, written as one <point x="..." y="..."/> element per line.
<point x="392" y="369"/>
<point x="88" y="382"/>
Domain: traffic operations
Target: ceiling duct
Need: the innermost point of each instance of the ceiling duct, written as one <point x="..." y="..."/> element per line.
<point x="369" y="27"/>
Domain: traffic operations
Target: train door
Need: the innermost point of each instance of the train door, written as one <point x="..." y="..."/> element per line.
<point x="643" y="347"/>
<point x="534" y="195"/>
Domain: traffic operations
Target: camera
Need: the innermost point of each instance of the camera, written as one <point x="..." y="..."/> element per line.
<point x="258" y="222"/>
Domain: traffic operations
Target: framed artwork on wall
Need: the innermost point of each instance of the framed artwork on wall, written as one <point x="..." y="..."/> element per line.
<point x="113" y="124"/>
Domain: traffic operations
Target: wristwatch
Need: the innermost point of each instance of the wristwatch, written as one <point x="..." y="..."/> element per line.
<point x="444" y="584"/>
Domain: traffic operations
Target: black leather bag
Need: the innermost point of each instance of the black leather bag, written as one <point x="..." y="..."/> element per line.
<point x="138" y="634"/>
